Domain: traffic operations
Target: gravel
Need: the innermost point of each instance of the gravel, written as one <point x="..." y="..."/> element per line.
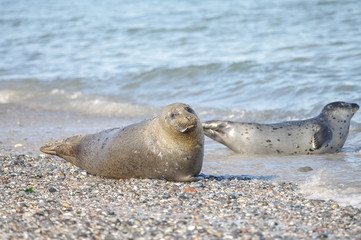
<point x="44" y="197"/>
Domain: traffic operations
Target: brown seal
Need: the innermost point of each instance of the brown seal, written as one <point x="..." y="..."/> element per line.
<point x="170" y="146"/>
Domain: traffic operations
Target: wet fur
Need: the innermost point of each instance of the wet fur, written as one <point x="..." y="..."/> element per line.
<point x="167" y="147"/>
<point x="325" y="133"/>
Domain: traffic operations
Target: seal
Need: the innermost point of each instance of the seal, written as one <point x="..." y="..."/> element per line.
<point x="170" y="146"/>
<point x="325" y="133"/>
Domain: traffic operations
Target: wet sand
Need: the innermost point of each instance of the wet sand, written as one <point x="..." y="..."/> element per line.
<point x="23" y="130"/>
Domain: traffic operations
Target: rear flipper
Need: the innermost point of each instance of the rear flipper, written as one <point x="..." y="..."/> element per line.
<point x="215" y="129"/>
<point x="64" y="148"/>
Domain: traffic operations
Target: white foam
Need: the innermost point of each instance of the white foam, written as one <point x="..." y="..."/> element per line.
<point x="9" y="96"/>
<point x="321" y="186"/>
<point x="4" y="96"/>
<point x="62" y="100"/>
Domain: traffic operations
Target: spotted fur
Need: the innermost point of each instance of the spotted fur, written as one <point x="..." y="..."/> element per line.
<point x="325" y="133"/>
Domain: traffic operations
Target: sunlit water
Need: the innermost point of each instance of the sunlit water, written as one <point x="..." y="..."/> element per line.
<point x="73" y="67"/>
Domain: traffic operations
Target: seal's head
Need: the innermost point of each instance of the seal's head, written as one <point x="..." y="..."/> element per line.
<point x="180" y="118"/>
<point x="340" y="111"/>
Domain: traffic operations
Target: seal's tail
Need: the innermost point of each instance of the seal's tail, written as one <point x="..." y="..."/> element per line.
<point x="64" y="148"/>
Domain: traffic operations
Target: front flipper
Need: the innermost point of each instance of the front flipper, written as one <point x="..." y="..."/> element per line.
<point x="321" y="137"/>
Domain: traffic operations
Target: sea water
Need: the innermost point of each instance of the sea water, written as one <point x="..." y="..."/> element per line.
<point x="74" y="67"/>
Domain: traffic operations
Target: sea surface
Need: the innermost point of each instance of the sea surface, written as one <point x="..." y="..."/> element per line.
<point x="70" y="67"/>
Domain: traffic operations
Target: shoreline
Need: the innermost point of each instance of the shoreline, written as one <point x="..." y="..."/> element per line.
<point x="46" y="197"/>
<point x="25" y="129"/>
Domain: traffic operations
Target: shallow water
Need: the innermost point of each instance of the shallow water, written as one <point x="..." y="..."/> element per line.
<point x="69" y="68"/>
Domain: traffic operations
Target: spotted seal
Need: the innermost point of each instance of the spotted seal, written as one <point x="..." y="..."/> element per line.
<point x="325" y="133"/>
<point x="170" y="146"/>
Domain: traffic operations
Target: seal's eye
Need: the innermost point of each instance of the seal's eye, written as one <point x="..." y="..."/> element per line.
<point x="188" y="109"/>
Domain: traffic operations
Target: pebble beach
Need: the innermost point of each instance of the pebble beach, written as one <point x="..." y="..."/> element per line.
<point x="44" y="197"/>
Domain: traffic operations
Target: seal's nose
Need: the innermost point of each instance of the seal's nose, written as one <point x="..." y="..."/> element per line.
<point x="355" y="107"/>
<point x="191" y="120"/>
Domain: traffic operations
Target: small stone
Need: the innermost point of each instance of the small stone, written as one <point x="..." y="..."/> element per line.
<point x="322" y="236"/>
<point x="183" y="197"/>
<point x="52" y="190"/>
<point x="190" y="190"/>
<point x="305" y="169"/>
<point x="191" y="228"/>
<point x="246" y="236"/>
<point x="197" y="185"/>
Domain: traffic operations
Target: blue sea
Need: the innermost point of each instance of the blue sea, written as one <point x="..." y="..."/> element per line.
<point x="71" y="67"/>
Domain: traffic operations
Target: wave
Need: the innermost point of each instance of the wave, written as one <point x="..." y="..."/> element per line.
<point x="63" y="101"/>
<point x="322" y="185"/>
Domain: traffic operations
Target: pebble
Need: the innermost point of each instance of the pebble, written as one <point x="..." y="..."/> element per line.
<point x="305" y="169"/>
<point x="68" y="203"/>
